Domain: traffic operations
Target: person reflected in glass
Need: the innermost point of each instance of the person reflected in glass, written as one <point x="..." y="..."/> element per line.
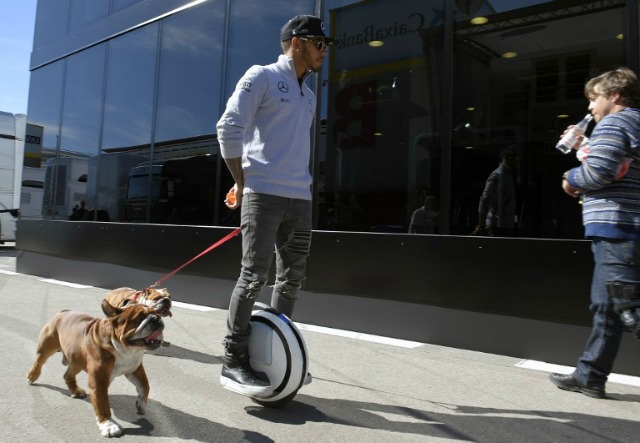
<point x="424" y="220"/>
<point x="497" y="207"/>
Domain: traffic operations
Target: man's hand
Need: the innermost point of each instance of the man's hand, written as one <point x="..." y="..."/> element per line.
<point x="234" y="197"/>
<point x="570" y="190"/>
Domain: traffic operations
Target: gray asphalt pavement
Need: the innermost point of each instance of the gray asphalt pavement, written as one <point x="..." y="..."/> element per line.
<point x="363" y="390"/>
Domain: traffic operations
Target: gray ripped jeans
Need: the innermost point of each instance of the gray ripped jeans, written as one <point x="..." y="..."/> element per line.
<point x="268" y="220"/>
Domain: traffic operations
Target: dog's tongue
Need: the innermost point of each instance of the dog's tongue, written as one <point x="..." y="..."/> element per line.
<point x="155" y="335"/>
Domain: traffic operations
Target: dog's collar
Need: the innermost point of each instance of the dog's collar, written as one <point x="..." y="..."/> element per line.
<point x="138" y="297"/>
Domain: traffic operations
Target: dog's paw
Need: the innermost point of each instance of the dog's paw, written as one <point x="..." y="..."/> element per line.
<point x="141" y="407"/>
<point x="78" y="393"/>
<point x="110" y="428"/>
<point x="165" y="344"/>
<point x="32" y="376"/>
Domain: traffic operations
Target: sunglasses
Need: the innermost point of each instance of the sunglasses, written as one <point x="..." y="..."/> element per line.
<point x="320" y="45"/>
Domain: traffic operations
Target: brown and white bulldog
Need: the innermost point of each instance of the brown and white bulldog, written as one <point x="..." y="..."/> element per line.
<point x="159" y="299"/>
<point x="104" y="348"/>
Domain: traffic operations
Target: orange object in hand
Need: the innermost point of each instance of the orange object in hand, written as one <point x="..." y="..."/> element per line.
<point x="231" y="198"/>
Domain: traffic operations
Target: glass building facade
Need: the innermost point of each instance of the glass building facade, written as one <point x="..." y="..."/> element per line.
<point x="416" y="103"/>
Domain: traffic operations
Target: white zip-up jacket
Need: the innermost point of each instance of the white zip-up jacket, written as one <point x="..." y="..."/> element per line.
<point x="267" y="122"/>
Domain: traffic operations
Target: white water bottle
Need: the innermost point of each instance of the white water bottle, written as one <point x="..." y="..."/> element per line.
<point x="570" y="138"/>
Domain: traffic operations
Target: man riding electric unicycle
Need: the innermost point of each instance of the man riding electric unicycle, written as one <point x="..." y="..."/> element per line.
<point x="264" y="137"/>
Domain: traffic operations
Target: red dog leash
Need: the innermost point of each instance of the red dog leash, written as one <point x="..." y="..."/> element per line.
<point x="210" y="248"/>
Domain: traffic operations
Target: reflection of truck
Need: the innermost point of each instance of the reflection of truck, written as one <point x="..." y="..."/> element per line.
<point x="180" y="191"/>
<point x="106" y="188"/>
<point x="12" y="135"/>
<point x="32" y="192"/>
<point x="65" y="182"/>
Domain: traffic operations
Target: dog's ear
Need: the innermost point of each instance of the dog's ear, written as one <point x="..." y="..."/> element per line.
<point x="110" y="311"/>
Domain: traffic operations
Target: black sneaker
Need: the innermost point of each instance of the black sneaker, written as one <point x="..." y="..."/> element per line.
<point x="568" y="383"/>
<point x="238" y="376"/>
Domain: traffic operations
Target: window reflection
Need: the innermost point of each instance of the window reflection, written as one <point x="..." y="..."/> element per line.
<point x="45" y="99"/>
<point x="189" y="85"/>
<point x="84" y="13"/>
<point x="130" y="83"/>
<point x="387" y="152"/>
<point x="82" y="106"/>
<point x="514" y="74"/>
<point x="119" y="5"/>
<point x="52" y="22"/>
<point x="518" y="83"/>
<point x="43" y="129"/>
<point x="65" y="186"/>
<point x="128" y="111"/>
<point x="261" y="45"/>
<point x="382" y="139"/>
<point x="174" y="190"/>
<point x="107" y="182"/>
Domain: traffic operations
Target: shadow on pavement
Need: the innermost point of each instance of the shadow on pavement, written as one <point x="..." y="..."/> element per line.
<point x="182" y="425"/>
<point x="175" y="351"/>
<point x="453" y="422"/>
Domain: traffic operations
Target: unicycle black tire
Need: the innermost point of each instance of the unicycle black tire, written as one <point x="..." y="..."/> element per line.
<point x="277" y="403"/>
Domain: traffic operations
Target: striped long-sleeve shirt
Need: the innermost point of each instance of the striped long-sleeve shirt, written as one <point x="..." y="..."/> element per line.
<point x="611" y="206"/>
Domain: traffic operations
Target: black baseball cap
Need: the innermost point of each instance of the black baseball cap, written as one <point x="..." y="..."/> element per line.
<point x="305" y="26"/>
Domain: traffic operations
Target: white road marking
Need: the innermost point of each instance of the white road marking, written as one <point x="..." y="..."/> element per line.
<point x="65" y="283"/>
<point x="191" y="307"/>
<point x="360" y="336"/>
<point x="524" y="364"/>
<point x="324" y="330"/>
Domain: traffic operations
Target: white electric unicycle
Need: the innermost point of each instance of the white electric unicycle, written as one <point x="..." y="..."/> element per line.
<point x="277" y="349"/>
